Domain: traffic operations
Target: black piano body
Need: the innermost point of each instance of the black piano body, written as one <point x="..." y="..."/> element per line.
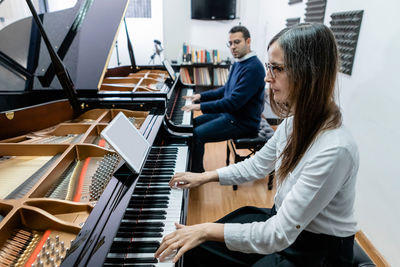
<point x="32" y="99"/>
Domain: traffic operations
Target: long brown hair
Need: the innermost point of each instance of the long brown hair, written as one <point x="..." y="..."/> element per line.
<point x="311" y="63"/>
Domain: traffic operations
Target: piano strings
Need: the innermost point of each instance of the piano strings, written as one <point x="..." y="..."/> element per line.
<point x="150" y="81"/>
<point x="85" y="180"/>
<point x="29" y="183"/>
<point x="16" y="170"/>
<point x="18" y="247"/>
<point x="54" y="139"/>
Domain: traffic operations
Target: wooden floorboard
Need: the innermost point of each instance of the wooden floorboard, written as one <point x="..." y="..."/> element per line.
<point x="212" y="201"/>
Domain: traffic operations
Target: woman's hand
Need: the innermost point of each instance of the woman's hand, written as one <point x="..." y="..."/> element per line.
<point x="188" y="237"/>
<point x="192" y="179"/>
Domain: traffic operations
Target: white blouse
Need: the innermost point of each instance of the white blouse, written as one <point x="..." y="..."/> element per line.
<point x="317" y="196"/>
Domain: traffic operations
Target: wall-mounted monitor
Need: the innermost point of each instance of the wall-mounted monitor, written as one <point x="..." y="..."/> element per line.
<point x="213" y="9"/>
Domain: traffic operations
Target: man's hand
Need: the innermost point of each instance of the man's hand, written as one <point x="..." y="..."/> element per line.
<point x="193" y="98"/>
<point x="191" y="107"/>
<point x="192" y="179"/>
<point x="188" y="237"/>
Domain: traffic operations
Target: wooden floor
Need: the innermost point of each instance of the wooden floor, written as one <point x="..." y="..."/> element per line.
<point x="212" y="201"/>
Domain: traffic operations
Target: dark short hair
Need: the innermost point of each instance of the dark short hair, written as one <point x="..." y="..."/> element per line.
<point x="242" y="29"/>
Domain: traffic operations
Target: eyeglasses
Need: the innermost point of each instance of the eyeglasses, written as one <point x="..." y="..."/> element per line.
<point x="235" y="42"/>
<point x="274" y="69"/>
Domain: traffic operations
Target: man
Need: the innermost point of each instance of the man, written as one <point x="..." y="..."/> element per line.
<point x="233" y="110"/>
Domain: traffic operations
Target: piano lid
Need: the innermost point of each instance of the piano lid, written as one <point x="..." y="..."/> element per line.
<point x="83" y="37"/>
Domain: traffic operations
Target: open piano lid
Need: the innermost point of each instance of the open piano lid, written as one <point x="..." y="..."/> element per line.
<point x="83" y="37"/>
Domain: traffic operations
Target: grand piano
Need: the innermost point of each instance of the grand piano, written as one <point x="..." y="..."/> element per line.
<point x="67" y="197"/>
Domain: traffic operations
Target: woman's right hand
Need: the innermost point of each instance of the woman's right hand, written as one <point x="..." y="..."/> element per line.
<point x="192" y="179"/>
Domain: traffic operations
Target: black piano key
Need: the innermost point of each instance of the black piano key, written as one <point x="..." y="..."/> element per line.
<point x="161" y="157"/>
<point x="148" y="206"/>
<point x="139" y="234"/>
<point x="140" y="193"/>
<point x="159" y="166"/>
<point x="125" y="249"/>
<point x="149" y="188"/>
<point x="157" y="172"/>
<point x="140" y="229"/>
<point x="150" y="244"/>
<point x="149" y="198"/>
<point x="136" y="243"/>
<point x="152" y="183"/>
<point x="123" y="258"/>
<point x="138" y="211"/>
<point x="135" y="223"/>
<point x="151" y="192"/>
<point x="148" y="202"/>
<point x="170" y="164"/>
<point x="156" y="178"/>
<point x="163" y="149"/>
<point x="144" y="217"/>
<point x="159" y="179"/>
<point x="152" y="189"/>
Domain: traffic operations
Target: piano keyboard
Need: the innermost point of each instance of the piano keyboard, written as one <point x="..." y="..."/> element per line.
<point x="178" y="116"/>
<point x="187" y="115"/>
<point x="152" y="211"/>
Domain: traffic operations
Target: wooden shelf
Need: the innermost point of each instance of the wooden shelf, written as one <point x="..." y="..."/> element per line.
<point x="204" y="75"/>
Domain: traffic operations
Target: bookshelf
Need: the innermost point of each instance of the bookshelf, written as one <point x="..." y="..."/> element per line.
<point x="203" y="68"/>
<point x="204" y="76"/>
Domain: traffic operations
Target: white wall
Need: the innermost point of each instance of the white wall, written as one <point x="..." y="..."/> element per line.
<point x="12" y="10"/>
<point x="369" y="98"/>
<point x="142" y="32"/>
<point x="207" y="34"/>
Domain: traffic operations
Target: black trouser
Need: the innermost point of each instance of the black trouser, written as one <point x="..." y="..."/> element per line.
<point x="214" y="128"/>
<point x="308" y="250"/>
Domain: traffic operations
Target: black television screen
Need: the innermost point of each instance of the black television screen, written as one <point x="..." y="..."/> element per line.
<point x="213" y="9"/>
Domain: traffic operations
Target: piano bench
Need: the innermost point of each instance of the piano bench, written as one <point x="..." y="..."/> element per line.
<point x="253" y="144"/>
<point x="360" y="258"/>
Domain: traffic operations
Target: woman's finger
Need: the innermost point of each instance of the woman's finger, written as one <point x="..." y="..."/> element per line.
<point x="179" y="226"/>
<point x="172" y="248"/>
<point x="181" y="251"/>
<point x="166" y="241"/>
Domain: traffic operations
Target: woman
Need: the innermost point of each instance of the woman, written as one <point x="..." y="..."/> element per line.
<point x="315" y="160"/>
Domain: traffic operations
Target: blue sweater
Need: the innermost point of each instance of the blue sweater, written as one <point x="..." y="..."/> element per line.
<point x="242" y="97"/>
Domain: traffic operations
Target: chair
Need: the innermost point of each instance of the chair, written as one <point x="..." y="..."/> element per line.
<point x="253" y="144"/>
<point x="361" y="259"/>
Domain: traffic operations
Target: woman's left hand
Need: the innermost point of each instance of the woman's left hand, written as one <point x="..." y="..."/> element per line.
<point x="184" y="239"/>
